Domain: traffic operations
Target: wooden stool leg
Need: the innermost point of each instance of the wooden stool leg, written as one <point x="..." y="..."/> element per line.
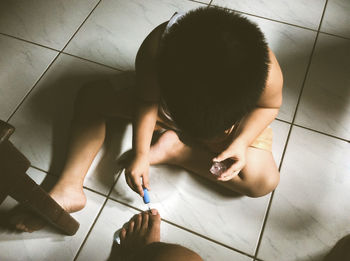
<point x="16" y="183"/>
<point x="37" y="199"/>
<point x="3" y="193"/>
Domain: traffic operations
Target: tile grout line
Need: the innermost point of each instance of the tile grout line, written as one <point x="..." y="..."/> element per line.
<point x="268" y="207"/>
<point x="309" y="64"/>
<point x="56" y="50"/>
<point x="267" y="18"/>
<point x="314" y="130"/>
<point x="262" y="17"/>
<point x="277" y="119"/>
<point x="258" y="259"/>
<point x="87" y="17"/>
<point x="31" y="89"/>
<point x="30" y="42"/>
<point x="98" y="215"/>
<point x="338" y="36"/>
<point x="85" y="187"/>
<point x="198" y="1"/>
<point x="289" y="133"/>
<point x="186" y="229"/>
<point x="42" y="75"/>
<point x="208" y="238"/>
<point x="320" y="132"/>
<point x="37" y="168"/>
<point x="97" y="192"/>
<point x="104" y="65"/>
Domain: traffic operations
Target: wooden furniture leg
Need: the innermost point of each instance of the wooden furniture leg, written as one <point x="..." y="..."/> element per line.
<point x="16" y="183"/>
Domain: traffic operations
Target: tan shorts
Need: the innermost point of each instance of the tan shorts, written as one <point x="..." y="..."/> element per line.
<point x="263" y="141"/>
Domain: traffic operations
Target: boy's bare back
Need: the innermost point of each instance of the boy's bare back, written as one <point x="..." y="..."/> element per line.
<point x="147" y="78"/>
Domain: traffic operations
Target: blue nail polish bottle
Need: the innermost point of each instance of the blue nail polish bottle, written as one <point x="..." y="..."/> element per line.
<point x="146" y="198"/>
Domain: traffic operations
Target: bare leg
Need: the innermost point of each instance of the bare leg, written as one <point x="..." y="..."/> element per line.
<point x="93" y="104"/>
<point x="258" y="178"/>
<point x="141" y="241"/>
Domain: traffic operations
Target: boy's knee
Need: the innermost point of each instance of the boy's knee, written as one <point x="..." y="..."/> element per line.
<point x="263" y="184"/>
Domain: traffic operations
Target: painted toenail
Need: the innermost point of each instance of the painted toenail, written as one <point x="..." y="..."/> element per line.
<point x="154" y="211"/>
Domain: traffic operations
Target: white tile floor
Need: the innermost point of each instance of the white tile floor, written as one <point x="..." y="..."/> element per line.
<point x="49" y="49"/>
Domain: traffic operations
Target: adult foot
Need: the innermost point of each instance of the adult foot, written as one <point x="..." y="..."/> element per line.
<point x="167" y="149"/>
<point x="142" y="229"/>
<point x="70" y="198"/>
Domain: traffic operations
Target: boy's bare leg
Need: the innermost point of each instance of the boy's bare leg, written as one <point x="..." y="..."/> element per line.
<point x="259" y="177"/>
<point x="141" y="241"/>
<point x="93" y="104"/>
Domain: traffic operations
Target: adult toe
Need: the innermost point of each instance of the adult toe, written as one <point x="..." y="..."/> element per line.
<point x="154" y="218"/>
<point x="131" y="225"/>
<point x="138" y="219"/>
<point x="122" y="235"/>
<point x="145" y="217"/>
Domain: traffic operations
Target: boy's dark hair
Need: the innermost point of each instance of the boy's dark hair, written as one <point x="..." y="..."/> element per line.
<point x="212" y="69"/>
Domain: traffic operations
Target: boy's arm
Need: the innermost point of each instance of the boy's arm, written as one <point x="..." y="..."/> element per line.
<point x="147" y="94"/>
<point x="144" y="120"/>
<point x="254" y="124"/>
<point x="143" y="126"/>
<point x="267" y="108"/>
<point x="256" y="121"/>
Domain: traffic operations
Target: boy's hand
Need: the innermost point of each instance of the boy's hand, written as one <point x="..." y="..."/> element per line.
<point x="237" y="152"/>
<point x="138" y="169"/>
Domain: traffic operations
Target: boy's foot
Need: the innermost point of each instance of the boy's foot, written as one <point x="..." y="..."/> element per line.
<point x="167" y="149"/>
<point x="70" y="198"/>
<point x="142" y="229"/>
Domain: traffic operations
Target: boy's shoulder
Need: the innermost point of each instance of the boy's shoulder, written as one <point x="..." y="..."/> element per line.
<point x="272" y="94"/>
<point x="149" y="46"/>
<point x="145" y="65"/>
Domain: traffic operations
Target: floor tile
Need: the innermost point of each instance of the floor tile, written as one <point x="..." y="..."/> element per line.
<point x="292" y="47"/>
<point x="43" y="120"/>
<point x="99" y="245"/>
<point x="116" y="29"/>
<point x="336" y="19"/>
<point x="47" y="244"/>
<point x="50" y="23"/>
<point x="185" y="199"/>
<point x="310" y="210"/>
<point x="325" y="103"/>
<point x="24" y="59"/>
<point x="298" y="12"/>
<point x="280" y="133"/>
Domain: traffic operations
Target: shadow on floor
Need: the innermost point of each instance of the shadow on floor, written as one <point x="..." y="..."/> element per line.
<point x="341" y="251"/>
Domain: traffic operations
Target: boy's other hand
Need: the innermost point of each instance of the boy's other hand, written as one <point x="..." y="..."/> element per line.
<point x="237" y="152"/>
<point x="138" y="169"/>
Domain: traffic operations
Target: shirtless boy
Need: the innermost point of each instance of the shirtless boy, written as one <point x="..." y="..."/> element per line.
<point x="209" y="81"/>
